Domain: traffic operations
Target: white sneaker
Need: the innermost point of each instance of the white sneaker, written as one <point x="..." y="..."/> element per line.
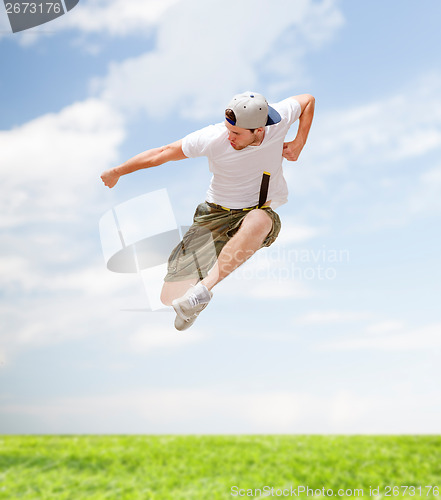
<point x="187" y="307"/>
<point x="184" y="324"/>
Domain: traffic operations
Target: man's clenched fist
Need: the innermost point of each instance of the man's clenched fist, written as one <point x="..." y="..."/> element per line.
<point x="110" y="178"/>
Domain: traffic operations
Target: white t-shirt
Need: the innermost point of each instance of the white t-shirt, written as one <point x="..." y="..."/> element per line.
<point x="237" y="175"/>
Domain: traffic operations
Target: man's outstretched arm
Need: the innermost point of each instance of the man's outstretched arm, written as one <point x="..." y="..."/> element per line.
<point x="292" y="150"/>
<point x="147" y="159"/>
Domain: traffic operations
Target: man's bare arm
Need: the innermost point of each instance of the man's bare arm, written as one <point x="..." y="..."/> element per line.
<point x="147" y="159"/>
<point x="292" y="150"/>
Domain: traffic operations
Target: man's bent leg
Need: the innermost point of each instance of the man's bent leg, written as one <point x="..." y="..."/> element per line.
<point x="249" y="238"/>
<point x="193" y="257"/>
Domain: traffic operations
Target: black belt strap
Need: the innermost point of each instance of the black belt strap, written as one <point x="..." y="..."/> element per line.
<point x="264" y="188"/>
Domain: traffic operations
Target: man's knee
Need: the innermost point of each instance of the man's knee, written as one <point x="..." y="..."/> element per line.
<point x="172" y="290"/>
<point x="258" y="221"/>
<point x="166" y="297"/>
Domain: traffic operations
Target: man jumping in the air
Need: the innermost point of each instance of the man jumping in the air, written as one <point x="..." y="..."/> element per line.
<point x="245" y="156"/>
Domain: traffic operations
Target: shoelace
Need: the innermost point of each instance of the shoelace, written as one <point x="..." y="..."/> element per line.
<point x="193" y="300"/>
<point x="193" y="316"/>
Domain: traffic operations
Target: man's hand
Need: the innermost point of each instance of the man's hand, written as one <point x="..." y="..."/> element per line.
<point x="110" y="178"/>
<point x="292" y="150"/>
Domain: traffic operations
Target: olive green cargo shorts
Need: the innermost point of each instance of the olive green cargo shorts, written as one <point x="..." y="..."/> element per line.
<point x="212" y="228"/>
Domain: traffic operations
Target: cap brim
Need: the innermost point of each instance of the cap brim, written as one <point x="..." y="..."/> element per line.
<point x="273" y="116"/>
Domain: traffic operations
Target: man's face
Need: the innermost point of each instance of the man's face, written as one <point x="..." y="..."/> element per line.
<point x="240" y="138"/>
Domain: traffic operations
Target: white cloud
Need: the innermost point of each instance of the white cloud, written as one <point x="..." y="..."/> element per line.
<point x="296" y="233"/>
<point x="162" y="336"/>
<point x="331" y="317"/>
<point x="373" y="163"/>
<point x="183" y="76"/>
<point x="425" y="198"/>
<point x="50" y="180"/>
<point x="370" y="139"/>
<point x="51" y="164"/>
<point x="274" y="289"/>
<point x="117" y="17"/>
<point x="385" y="327"/>
<point x="387" y="130"/>
<point x="89" y="280"/>
<point x="71" y="311"/>
<point x="384" y="337"/>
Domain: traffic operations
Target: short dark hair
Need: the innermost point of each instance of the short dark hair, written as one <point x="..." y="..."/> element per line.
<point x="229" y="113"/>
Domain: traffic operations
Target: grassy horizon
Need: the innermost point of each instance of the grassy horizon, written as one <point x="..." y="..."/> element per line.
<point x="132" y="467"/>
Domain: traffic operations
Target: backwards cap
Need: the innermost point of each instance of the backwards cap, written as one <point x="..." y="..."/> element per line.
<point x="252" y="111"/>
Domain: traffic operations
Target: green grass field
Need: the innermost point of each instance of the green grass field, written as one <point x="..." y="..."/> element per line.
<point x="209" y="467"/>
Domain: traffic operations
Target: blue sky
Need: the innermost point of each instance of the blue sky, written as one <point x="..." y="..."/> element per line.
<point x="334" y="329"/>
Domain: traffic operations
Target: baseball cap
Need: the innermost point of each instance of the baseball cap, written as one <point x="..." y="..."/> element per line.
<point x="252" y="111"/>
